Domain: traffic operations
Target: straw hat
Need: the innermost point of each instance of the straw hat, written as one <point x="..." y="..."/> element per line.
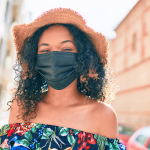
<point x="61" y="15"/>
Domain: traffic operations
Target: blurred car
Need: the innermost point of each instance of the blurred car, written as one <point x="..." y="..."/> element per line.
<point x="125" y="131"/>
<point x="140" y="140"/>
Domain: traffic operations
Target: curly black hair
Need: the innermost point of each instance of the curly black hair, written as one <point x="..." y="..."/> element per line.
<point x="31" y="85"/>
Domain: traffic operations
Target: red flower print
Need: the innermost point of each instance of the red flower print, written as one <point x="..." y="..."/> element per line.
<point x="19" y="128"/>
<point x="84" y="139"/>
<point x="16" y="125"/>
<point x="10" y="131"/>
<point x="71" y="132"/>
<point x="90" y="139"/>
<point x="22" y="128"/>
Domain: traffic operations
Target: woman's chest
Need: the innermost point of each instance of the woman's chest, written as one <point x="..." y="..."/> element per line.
<point x="78" y="118"/>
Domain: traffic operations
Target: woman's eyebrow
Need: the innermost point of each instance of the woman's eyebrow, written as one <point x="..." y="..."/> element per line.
<point x="45" y="44"/>
<point x="66" y="41"/>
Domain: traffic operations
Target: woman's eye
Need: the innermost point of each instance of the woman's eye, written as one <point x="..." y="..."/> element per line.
<point x="67" y="49"/>
<point x="47" y="51"/>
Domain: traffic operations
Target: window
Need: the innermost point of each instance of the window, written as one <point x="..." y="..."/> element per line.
<point x="125" y="130"/>
<point x="6" y="11"/>
<point x="134" y="38"/>
<point x="141" y="139"/>
<point x="149" y="146"/>
<point x="144" y="29"/>
<point x="0" y="45"/>
<point x="143" y="136"/>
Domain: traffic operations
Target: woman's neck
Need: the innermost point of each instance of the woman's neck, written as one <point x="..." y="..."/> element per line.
<point x="65" y="97"/>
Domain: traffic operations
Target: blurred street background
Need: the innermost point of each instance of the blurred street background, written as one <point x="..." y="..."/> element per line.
<point x="126" y="25"/>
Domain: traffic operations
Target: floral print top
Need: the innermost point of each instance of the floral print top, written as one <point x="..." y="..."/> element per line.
<point x="26" y="136"/>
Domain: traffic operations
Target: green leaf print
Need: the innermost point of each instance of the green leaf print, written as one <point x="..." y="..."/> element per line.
<point x="24" y="142"/>
<point x="38" y="125"/>
<point x="37" y="145"/>
<point x="75" y="131"/>
<point x="101" y="141"/>
<point x="44" y="136"/>
<point x="59" y="128"/>
<point x="4" y="129"/>
<point x="48" y="131"/>
<point x="33" y="130"/>
<point x="28" y="135"/>
<point x="101" y="144"/>
<point x="71" y="139"/>
<point x="113" y="146"/>
<point x="0" y="148"/>
<point x="110" y="146"/>
<point x="5" y="149"/>
<point x="64" y="131"/>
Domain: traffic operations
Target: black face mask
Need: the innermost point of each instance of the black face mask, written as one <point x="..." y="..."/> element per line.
<point x="59" y="69"/>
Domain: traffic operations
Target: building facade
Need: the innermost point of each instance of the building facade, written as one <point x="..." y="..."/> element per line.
<point x="130" y="59"/>
<point x="11" y="12"/>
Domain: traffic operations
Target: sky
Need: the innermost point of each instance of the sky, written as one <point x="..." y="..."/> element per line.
<point x="101" y="15"/>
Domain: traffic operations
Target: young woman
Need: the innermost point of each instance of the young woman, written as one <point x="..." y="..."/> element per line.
<point x="63" y="87"/>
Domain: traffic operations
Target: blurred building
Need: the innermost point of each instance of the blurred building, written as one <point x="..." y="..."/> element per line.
<point x="11" y="12"/>
<point x="130" y="58"/>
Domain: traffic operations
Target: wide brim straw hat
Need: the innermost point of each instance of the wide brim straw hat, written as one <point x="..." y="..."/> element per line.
<point x="61" y="15"/>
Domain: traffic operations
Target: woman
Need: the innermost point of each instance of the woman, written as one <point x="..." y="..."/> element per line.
<point x="62" y="87"/>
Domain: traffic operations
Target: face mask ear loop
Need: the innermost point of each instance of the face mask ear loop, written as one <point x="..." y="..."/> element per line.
<point x="76" y="66"/>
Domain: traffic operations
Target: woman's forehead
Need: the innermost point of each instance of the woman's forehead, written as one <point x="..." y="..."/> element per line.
<point x="56" y="32"/>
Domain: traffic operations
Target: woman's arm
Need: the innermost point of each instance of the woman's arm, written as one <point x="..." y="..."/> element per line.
<point x="106" y="120"/>
<point x="14" y="113"/>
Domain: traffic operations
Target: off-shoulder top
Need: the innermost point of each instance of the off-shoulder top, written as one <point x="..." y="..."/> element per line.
<point x="26" y="136"/>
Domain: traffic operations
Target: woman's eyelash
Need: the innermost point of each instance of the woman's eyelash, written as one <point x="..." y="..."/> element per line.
<point x="68" y="49"/>
<point x="45" y="51"/>
<point x="65" y="49"/>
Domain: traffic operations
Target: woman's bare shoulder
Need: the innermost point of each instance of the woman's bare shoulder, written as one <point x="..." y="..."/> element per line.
<point x="14" y="113"/>
<point x="105" y="120"/>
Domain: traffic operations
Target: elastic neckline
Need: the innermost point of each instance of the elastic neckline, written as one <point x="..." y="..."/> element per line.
<point x="50" y="125"/>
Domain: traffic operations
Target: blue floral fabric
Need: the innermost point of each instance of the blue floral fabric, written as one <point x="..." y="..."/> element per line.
<point x="26" y="136"/>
